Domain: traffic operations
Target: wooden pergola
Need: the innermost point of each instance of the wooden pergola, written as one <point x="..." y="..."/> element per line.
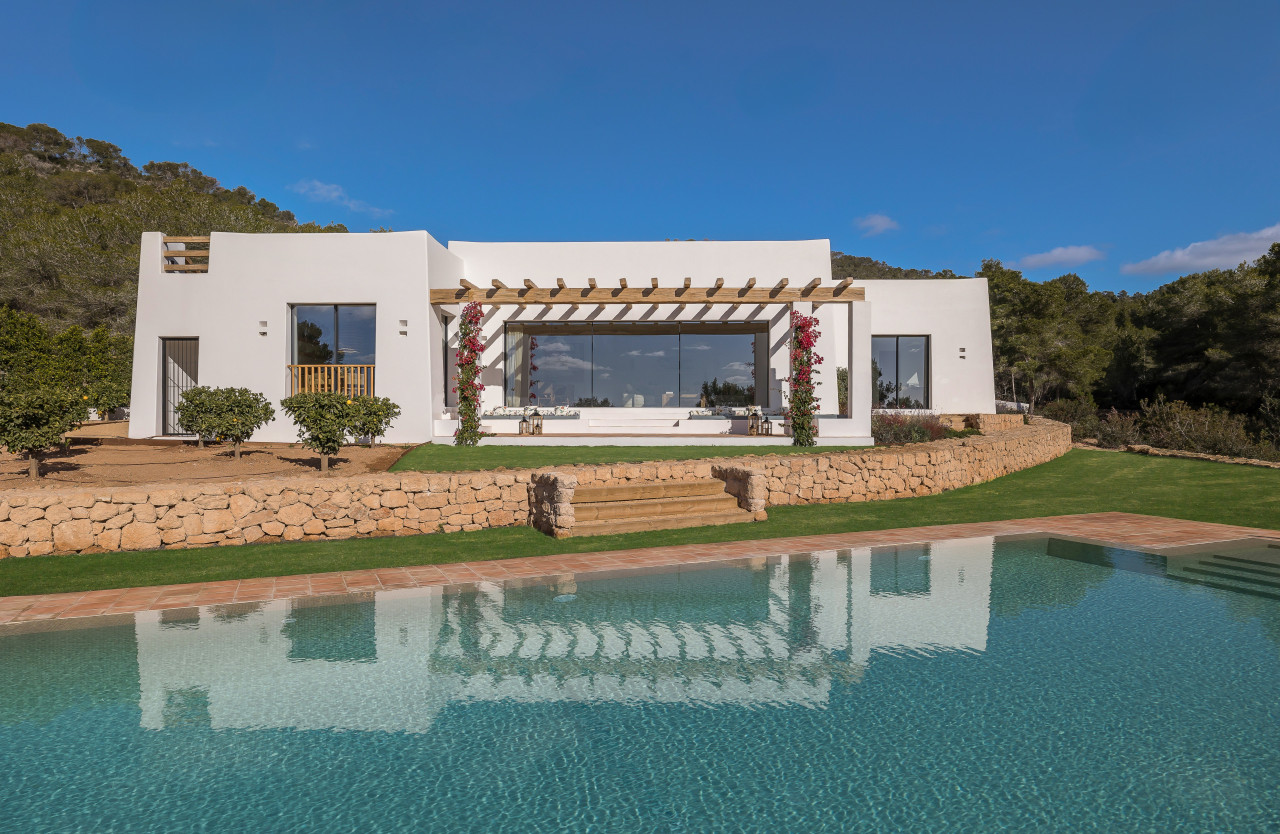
<point x="531" y="294"/>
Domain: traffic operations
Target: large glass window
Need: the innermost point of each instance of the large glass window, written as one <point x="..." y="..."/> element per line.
<point x="720" y="368"/>
<point x="900" y="371"/>
<point x="625" y="365"/>
<point x="334" y="334"/>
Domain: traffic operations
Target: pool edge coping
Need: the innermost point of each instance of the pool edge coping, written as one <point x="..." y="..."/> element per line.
<point x="1129" y="530"/>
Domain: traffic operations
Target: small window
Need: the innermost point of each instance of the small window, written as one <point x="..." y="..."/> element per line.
<point x="900" y="371"/>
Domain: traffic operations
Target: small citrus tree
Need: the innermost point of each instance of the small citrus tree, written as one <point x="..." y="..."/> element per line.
<point x="195" y="410"/>
<point x="468" y="386"/>
<point x="372" y="416"/>
<point x="323" y="420"/>
<point x="32" y="422"/>
<point x="232" y="414"/>
<point x="106" y="395"/>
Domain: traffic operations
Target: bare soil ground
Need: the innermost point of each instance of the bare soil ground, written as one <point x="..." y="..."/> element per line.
<point x="111" y="465"/>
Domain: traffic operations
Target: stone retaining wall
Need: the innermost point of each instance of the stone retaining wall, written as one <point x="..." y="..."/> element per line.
<point x="39" y="522"/>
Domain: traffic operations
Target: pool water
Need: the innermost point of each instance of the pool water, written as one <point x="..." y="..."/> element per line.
<point x="964" y="685"/>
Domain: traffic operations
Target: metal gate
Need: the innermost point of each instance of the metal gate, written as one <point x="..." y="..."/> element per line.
<point x="181" y="363"/>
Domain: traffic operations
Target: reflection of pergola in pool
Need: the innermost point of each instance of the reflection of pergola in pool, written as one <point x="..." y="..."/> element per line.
<point x="782" y="634"/>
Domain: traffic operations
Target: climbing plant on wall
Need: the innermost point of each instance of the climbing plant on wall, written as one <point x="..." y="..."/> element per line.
<point x="802" y="406"/>
<point x="467" y="380"/>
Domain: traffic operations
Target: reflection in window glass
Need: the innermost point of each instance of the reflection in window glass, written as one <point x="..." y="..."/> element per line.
<point x="622" y="365"/>
<point x="314" y="335"/>
<point x="555" y="369"/>
<point x="636" y="370"/>
<point x="334" y="334"/>
<point x="900" y="371"/>
<point x="913" y="371"/>
<point x="884" y="370"/>
<point x="717" y="369"/>
<point x="356" y="344"/>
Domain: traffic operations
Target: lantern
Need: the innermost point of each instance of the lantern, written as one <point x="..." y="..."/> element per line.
<point x="753" y="424"/>
<point x="766" y="427"/>
<point x="524" y="424"/>
<point x="537" y="423"/>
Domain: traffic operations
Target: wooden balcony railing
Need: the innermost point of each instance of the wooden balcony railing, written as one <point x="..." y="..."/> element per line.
<point x="187" y="260"/>
<point x="352" y="380"/>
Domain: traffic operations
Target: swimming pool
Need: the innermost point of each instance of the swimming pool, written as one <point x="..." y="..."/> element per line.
<point x="969" y="684"/>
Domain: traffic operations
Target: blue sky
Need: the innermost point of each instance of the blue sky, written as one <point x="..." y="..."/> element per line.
<point x="1128" y="142"/>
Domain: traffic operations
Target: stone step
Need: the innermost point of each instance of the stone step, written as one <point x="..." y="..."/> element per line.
<point x="661" y="522"/>
<point x="684" y="505"/>
<point x="641" y="492"/>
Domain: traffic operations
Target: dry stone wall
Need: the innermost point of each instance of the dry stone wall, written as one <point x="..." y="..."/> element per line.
<point x="39" y="522"/>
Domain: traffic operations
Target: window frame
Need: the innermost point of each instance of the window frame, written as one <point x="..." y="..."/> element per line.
<point x="897" y="365"/>
<point x="293" y="332"/>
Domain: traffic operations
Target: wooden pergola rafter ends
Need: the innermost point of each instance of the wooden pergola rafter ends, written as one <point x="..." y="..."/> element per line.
<point x="562" y="294"/>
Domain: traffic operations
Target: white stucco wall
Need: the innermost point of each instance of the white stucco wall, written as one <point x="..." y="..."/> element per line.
<point x="257" y="278"/>
<point x="954" y="313"/>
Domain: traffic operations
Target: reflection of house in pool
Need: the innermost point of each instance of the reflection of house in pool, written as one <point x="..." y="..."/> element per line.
<point x="777" y="632"/>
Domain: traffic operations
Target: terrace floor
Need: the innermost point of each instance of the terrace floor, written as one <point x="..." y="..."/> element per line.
<point x="1125" y="529"/>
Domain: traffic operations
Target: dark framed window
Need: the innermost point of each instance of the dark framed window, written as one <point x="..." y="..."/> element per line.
<point x="900" y="371"/>
<point x="334" y="334"/>
<point x="637" y="365"/>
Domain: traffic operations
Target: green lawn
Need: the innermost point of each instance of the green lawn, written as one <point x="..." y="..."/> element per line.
<point x="1080" y="482"/>
<point x="431" y="457"/>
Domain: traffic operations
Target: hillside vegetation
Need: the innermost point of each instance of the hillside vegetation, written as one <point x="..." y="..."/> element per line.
<point x="72" y="211"/>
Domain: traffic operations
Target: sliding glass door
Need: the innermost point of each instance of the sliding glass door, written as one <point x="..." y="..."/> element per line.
<point x="624" y="365"/>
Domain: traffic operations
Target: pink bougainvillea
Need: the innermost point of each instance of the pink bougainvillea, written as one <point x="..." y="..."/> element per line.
<point x="468" y="386"/>
<point x="802" y="403"/>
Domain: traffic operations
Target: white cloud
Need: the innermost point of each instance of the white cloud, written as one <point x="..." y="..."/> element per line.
<point x="553" y="347"/>
<point x="643" y="353"/>
<point x="1062" y="256"/>
<point x="1220" y="253"/>
<point x="324" y="192"/>
<point x="696" y="347"/>
<point x="560" y="362"/>
<point x="738" y="380"/>
<point x="876" y="224"/>
<point x="737" y="366"/>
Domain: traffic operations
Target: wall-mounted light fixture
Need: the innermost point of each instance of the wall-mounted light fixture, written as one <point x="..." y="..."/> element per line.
<point x="404" y="327"/>
<point x="262" y="328"/>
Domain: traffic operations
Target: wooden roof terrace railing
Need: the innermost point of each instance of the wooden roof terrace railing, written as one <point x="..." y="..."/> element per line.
<point x="186" y="259"/>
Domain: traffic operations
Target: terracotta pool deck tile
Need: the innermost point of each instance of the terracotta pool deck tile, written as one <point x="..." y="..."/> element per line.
<point x="1119" y="528"/>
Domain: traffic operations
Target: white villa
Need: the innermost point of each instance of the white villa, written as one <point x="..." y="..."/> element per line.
<point x="612" y="343"/>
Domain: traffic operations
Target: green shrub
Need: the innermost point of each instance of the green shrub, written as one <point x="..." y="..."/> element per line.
<point x="1081" y="415"/>
<point x="232" y="414"/>
<point x="1117" y="430"/>
<point x="106" y="395"/>
<point x="899" y="429"/>
<point x="195" y="410"/>
<point x="372" y="416"/>
<point x="323" y="421"/>
<point x="1210" y="430"/>
<point x="33" y="421"/>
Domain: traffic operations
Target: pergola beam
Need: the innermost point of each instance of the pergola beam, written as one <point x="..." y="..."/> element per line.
<point x="779" y="294"/>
